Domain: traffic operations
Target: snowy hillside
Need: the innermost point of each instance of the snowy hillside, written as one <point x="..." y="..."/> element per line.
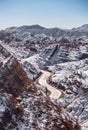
<point x="25" y="53"/>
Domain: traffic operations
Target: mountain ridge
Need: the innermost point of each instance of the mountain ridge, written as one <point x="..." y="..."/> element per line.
<point x="43" y="27"/>
<point x="54" y="32"/>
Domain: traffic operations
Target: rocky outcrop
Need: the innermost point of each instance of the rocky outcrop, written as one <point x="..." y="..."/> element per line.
<point x="13" y="78"/>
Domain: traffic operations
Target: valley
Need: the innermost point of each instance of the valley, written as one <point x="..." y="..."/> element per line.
<point x="44" y="78"/>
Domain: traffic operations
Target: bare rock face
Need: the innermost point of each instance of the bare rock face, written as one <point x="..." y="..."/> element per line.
<point x="13" y="78"/>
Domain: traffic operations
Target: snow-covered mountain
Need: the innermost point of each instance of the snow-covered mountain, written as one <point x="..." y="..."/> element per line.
<point x="54" y="32"/>
<point x="83" y="28"/>
<point x="22" y="103"/>
<point x="24" y="52"/>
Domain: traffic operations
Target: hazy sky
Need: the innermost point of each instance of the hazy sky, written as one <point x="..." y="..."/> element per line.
<point x="48" y="13"/>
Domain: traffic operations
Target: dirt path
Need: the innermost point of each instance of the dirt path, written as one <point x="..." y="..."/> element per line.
<point x="55" y="93"/>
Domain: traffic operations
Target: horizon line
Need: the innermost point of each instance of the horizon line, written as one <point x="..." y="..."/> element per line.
<point x="47" y="27"/>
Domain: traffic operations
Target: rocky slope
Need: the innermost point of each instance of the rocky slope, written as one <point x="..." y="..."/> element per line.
<point x="72" y="80"/>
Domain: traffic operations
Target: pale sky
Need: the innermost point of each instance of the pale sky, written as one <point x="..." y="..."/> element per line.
<point x="47" y="13"/>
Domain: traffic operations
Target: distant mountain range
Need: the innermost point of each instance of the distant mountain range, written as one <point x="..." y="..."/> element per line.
<point x="54" y="32"/>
